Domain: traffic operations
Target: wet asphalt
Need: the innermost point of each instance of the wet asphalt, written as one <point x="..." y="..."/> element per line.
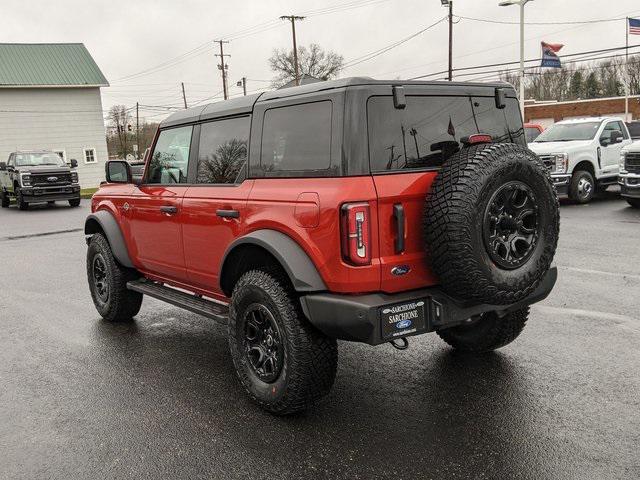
<point x="157" y="398"/>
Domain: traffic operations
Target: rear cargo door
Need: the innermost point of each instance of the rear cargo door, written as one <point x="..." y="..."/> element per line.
<point x="406" y="148"/>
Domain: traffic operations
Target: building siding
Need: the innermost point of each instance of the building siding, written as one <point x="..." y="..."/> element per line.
<point x="69" y="119"/>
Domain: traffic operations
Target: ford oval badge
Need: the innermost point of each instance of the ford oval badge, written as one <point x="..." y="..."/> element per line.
<point x="401" y="269"/>
<point x="403" y="324"/>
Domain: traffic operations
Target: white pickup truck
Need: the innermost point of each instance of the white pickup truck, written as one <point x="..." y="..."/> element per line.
<point x="582" y="154"/>
<point x="629" y="178"/>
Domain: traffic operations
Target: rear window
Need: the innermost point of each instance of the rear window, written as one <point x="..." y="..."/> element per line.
<point x="428" y="131"/>
<point x="296" y="140"/>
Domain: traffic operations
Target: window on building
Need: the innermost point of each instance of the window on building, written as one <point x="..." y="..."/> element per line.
<point x="170" y="158"/>
<point x="429" y="130"/>
<point x="222" y="153"/>
<point x="90" y="155"/>
<point x="297" y="140"/>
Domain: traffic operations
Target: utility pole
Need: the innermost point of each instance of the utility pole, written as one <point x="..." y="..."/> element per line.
<point x="223" y="68"/>
<point x="292" y="19"/>
<point x="184" y="96"/>
<point x="449" y="3"/>
<point x="243" y="83"/>
<point x="137" y="130"/>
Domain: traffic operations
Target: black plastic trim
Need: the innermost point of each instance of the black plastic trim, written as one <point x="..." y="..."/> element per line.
<point x="111" y="229"/>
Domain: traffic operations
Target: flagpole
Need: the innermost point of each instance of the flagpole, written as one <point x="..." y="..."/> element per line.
<point x="626" y="74"/>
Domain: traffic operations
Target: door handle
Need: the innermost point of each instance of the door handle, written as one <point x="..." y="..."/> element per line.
<point x="398" y="214"/>
<point x="228" y="213"/>
<point x="169" y="210"/>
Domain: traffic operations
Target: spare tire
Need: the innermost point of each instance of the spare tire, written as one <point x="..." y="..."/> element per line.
<point x="491" y="223"/>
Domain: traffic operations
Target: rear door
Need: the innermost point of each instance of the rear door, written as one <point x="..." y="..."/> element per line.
<point x="407" y="146"/>
<point x="214" y="207"/>
<point x="155" y="210"/>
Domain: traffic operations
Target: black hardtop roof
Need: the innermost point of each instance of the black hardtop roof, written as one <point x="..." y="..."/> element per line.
<point x="240" y="105"/>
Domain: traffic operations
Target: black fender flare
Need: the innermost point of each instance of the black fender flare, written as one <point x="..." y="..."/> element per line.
<point x="105" y="221"/>
<point x="299" y="267"/>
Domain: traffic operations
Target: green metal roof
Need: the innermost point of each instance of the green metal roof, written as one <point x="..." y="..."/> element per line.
<point x="48" y="64"/>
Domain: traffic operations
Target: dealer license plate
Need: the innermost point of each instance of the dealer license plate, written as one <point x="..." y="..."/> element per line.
<point x="403" y="319"/>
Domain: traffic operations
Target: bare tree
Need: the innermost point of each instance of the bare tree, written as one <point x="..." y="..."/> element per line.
<point x="223" y="165"/>
<point x="312" y="61"/>
<point x="119" y="119"/>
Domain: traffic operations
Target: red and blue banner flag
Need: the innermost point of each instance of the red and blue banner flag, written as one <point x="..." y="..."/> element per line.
<point x="550" y="55"/>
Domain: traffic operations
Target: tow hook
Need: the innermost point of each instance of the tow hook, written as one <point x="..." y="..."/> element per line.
<point x="400" y="343"/>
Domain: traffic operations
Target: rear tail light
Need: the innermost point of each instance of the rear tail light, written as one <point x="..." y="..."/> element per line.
<point x="476" y="138"/>
<point x="356" y="234"/>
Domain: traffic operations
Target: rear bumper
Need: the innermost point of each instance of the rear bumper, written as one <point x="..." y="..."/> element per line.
<point x="561" y="182"/>
<point x="50" y="194"/>
<point x="358" y="317"/>
<point x="629" y="185"/>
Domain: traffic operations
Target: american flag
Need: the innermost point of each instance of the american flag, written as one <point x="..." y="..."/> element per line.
<point x="634" y="26"/>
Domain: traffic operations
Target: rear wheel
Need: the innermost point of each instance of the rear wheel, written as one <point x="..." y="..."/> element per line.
<point x="282" y="361"/>
<point x="108" y="283"/>
<point x="75" y="202"/>
<point x="634" y="202"/>
<point x="582" y="187"/>
<point x="4" y="199"/>
<point x="22" y="205"/>
<point x="487" y="332"/>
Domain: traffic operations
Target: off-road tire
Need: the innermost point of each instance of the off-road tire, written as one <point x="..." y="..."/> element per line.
<point x="577" y="192"/>
<point x="121" y="304"/>
<point x="22" y="205"/>
<point x="75" y="202"/>
<point x="4" y="199"/>
<point x="455" y="213"/>
<point x="487" y="333"/>
<point x="634" y="202"/>
<point x="310" y="357"/>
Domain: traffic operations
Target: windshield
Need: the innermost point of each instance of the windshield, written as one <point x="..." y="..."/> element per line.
<point x="37" y="159"/>
<point x="531" y="133"/>
<point x="566" y="132"/>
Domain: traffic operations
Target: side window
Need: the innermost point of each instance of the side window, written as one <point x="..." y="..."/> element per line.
<point x="11" y="162"/>
<point x="170" y="157"/>
<point x="620" y="127"/>
<point x="608" y="128"/>
<point x="297" y="140"/>
<point x="428" y="131"/>
<point x="222" y="153"/>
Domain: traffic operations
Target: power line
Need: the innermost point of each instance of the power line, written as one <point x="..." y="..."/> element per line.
<point x="370" y="55"/>
<point x="576" y="22"/>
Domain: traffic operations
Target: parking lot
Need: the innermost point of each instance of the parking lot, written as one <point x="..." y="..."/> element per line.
<point x="80" y="398"/>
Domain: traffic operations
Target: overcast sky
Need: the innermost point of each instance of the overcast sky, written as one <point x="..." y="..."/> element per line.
<point x="129" y="37"/>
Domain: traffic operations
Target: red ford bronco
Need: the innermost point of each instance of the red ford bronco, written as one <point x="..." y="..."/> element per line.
<point x="355" y="209"/>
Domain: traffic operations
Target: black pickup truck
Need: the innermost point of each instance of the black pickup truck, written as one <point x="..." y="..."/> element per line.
<point x="38" y="177"/>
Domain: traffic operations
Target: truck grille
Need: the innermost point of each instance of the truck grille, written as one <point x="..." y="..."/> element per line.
<point x="632" y="162"/>
<point x="549" y="162"/>
<point x="47" y="179"/>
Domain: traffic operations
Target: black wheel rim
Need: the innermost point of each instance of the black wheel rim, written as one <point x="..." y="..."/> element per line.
<point x="100" y="278"/>
<point x="511" y="225"/>
<point x="263" y="343"/>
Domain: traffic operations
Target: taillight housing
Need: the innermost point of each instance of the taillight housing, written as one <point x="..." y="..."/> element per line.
<point x="356" y="233"/>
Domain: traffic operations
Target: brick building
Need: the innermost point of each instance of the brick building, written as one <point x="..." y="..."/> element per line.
<point x="546" y="113"/>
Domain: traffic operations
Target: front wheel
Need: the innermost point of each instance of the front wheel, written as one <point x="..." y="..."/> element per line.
<point x="282" y="361"/>
<point x="108" y="283"/>
<point x="4" y="199"/>
<point x="634" y="202"/>
<point x="582" y="188"/>
<point x="487" y="332"/>
<point x="22" y="205"/>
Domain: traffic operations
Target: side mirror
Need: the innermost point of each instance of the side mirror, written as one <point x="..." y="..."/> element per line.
<point x="616" y="136"/>
<point x="74" y="163"/>
<point x="118" y="171"/>
<point x="3" y="166"/>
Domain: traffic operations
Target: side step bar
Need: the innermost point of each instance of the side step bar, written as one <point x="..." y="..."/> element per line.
<point x="193" y="303"/>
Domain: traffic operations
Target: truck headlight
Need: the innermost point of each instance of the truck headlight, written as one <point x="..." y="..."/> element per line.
<point x="622" y="161"/>
<point x="74" y="177"/>
<point x="562" y="162"/>
<point x="25" y="179"/>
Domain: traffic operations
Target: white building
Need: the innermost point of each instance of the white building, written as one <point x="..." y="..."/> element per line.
<point x="50" y="100"/>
